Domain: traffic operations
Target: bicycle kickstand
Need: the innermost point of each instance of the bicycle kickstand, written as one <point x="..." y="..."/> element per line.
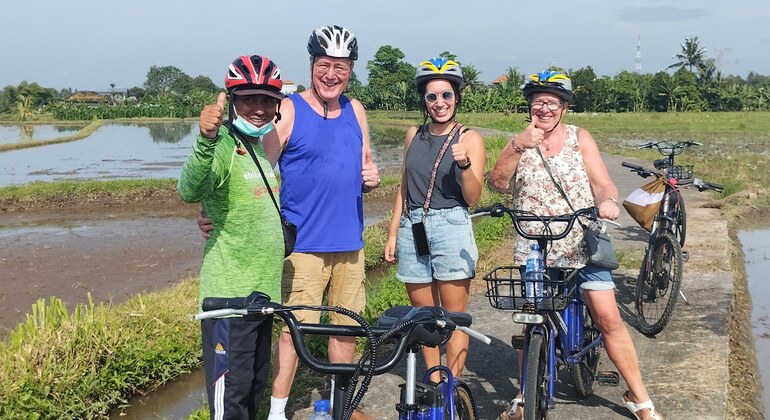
<point x="683" y="297"/>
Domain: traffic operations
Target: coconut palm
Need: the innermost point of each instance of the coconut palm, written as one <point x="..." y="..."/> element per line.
<point x="691" y="56"/>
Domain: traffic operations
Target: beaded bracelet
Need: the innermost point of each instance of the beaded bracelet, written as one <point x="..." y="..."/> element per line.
<point x="516" y="148"/>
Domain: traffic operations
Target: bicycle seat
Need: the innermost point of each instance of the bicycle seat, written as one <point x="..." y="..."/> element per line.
<point x="426" y="333"/>
<point x="660" y="163"/>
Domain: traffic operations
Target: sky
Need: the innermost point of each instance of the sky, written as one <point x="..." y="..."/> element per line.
<point x="90" y="44"/>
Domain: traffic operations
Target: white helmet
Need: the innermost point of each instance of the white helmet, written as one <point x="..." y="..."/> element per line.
<point x="333" y="41"/>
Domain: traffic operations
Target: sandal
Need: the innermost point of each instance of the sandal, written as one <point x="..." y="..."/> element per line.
<point x="516" y="412"/>
<point x="637" y="408"/>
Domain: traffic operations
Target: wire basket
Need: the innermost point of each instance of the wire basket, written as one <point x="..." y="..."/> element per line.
<point x="680" y="171"/>
<point x="505" y="290"/>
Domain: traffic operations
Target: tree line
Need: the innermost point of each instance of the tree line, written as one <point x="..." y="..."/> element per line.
<point x="692" y="83"/>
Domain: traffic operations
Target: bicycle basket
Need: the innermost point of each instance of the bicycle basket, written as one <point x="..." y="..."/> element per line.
<point x="505" y="290"/>
<point x="680" y="171"/>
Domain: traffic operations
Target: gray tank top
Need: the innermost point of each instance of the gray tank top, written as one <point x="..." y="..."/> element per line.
<point x="420" y="157"/>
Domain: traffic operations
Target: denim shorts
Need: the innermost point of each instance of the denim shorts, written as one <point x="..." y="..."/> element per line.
<point x="589" y="277"/>
<point x="453" y="252"/>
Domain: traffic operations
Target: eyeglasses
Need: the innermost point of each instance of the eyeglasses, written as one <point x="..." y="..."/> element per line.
<point x="446" y="95"/>
<point x="323" y="67"/>
<point x="551" y="105"/>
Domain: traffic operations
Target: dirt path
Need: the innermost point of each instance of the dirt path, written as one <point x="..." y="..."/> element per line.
<point x="110" y="252"/>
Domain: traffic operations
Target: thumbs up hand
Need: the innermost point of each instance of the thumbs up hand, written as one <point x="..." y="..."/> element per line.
<point x="531" y="136"/>
<point x="460" y="152"/>
<point x="212" y="117"/>
<point x="369" y="172"/>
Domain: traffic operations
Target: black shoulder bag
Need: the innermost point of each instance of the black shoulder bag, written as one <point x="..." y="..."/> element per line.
<point x="289" y="228"/>
<point x="601" y="253"/>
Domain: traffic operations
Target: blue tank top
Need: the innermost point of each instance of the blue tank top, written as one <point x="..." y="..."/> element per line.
<point x="321" y="179"/>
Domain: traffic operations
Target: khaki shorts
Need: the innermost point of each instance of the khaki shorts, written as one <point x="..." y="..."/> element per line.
<point x="307" y="275"/>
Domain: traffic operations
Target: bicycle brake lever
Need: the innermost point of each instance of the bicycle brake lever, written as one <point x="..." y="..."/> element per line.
<point x="612" y="222"/>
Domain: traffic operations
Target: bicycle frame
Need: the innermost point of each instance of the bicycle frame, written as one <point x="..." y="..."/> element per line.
<point x="558" y="318"/>
<point x="565" y="329"/>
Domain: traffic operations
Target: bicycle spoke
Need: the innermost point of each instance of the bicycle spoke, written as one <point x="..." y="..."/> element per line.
<point x="657" y="294"/>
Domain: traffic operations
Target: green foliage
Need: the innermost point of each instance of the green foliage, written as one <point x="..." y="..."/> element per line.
<point x="71" y="365"/>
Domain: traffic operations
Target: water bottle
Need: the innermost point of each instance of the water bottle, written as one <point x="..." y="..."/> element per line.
<point x="322" y="408"/>
<point x="533" y="275"/>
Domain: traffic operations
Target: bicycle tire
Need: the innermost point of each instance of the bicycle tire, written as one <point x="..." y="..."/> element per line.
<point x="465" y="406"/>
<point x="535" y="396"/>
<point x="657" y="290"/>
<point x="584" y="372"/>
<point x="680" y="217"/>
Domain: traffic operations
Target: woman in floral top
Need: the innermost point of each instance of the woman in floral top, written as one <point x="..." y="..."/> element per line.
<point x="573" y="158"/>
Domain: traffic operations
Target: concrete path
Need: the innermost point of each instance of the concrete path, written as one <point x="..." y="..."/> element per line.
<point x="684" y="367"/>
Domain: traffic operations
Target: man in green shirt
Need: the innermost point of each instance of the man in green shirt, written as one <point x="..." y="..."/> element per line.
<point x="246" y="252"/>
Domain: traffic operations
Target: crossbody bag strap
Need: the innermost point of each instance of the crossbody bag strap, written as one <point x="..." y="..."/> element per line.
<point x="234" y="132"/>
<point x="432" y="182"/>
<point x="455" y="129"/>
<point x="558" y="186"/>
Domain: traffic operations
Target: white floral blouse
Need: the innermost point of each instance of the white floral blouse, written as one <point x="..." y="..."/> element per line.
<point x="534" y="191"/>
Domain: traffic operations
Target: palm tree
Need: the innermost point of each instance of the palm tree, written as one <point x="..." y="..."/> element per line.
<point x="23" y="108"/>
<point x="692" y="55"/>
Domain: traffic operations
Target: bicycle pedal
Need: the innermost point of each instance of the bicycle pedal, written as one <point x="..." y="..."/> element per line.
<point x="685" y="256"/>
<point x="608" y="378"/>
<point x="517" y="342"/>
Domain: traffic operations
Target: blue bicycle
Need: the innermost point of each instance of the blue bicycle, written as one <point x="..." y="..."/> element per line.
<point x="559" y="330"/>
<point x="401" y="330"/>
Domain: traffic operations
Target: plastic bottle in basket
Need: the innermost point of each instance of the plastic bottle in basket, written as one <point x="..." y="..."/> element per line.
<point x="533" y="275"/>
<point x="322" y="408"/>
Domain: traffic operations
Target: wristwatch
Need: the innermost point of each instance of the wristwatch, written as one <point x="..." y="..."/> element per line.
<point x="466" y="166"/>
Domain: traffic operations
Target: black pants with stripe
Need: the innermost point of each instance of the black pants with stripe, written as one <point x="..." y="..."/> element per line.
<point x="236" y="358"/>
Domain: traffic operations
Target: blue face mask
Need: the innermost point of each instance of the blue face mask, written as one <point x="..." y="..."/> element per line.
<point x="249" y="129"/>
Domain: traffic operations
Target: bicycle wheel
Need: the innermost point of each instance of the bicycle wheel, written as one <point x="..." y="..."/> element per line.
<point x="583" y="372"/>
<point x="658" y="288"/>
<point x="465" y="407"/>
<point x="535" y="386"/>
<point x="679" y="216"/>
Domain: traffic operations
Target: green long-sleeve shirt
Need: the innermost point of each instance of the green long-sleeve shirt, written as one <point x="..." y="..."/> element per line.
<point x="245" y="251"/>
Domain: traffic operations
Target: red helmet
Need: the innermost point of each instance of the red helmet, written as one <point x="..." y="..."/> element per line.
<point x="251" y="75"/>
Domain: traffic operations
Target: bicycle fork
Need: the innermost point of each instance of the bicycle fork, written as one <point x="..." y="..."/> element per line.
<point x="422" y="401"/>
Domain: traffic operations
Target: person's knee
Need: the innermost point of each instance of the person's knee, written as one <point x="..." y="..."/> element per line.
<point x="609" y="321"/>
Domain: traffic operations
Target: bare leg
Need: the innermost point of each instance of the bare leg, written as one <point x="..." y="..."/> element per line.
<point x="285" y="366"/>
<point x="420" y="295"/>
<point x="454" y="297"/>
<point x="617" y="341"/>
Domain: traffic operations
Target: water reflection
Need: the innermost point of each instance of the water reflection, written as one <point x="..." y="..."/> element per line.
<point x="15" y="133"/>
<point x="123" y="150"/>
<point x="756" y="249"/>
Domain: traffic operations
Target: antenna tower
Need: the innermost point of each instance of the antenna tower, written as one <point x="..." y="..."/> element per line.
<point x="638" y="61"/>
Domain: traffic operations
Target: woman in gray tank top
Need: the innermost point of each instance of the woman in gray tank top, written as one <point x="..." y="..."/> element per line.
<point x="430" y="232"/>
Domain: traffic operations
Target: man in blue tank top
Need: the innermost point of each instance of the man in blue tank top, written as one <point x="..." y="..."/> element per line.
<point x="322" y="148"/>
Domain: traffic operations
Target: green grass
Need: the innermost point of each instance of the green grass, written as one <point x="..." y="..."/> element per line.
<point x="51" y="194"/>
<point x="64" y="363"/>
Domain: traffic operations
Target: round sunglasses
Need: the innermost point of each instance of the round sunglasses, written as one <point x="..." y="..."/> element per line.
<point x="446" y="95"/>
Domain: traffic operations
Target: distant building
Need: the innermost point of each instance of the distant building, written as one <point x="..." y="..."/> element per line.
<point x="500" y="79"/>
<point x="288" y="87"/>
<point x="93" y="98"/>
<point x="88" y="97"/>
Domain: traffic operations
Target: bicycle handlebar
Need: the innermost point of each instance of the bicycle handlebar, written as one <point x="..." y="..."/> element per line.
<point x="518" y="216"/>
<point x="703" y="185"/>
<point x="697" y="182"/>
<point x="668" y="148"/>
<point x="258" y="304"/>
